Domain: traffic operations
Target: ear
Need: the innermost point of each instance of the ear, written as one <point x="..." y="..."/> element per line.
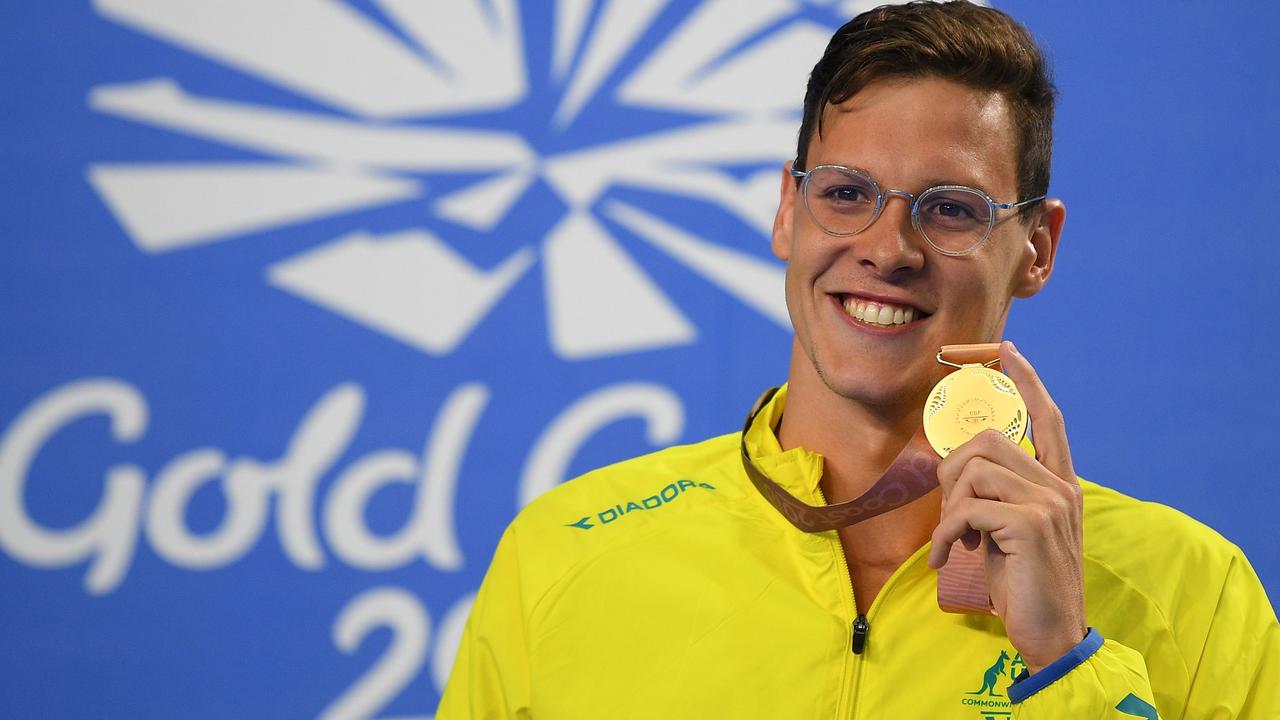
<point x="1042" y="248"/>
<point x="781" y="242"/>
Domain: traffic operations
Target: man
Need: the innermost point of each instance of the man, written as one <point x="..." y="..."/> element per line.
<point x="912" y="216"/>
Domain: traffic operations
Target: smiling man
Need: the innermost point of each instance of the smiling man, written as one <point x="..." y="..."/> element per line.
<point x="800" y="568"/>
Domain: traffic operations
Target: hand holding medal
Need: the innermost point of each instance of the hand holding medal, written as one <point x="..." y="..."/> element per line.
<point x="1024" y="512"/>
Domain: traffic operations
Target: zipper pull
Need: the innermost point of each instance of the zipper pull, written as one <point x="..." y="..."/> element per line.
<point x="861" y="628"/>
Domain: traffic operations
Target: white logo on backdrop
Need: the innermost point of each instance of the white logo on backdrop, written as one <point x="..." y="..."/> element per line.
<point x="387" y="96"/>
<point x="381" y="86"/>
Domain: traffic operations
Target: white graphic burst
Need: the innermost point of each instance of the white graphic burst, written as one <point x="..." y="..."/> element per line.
<point x="387" y="82"/>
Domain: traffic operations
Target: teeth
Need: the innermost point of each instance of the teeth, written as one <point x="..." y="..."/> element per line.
<point x="879" y="313"/>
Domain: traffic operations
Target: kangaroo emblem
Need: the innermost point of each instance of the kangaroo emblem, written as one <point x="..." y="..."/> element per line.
<point x="990" y="677"/>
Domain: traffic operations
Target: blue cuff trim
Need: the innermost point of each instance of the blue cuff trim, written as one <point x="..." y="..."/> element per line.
<point x="1027" y="685"/>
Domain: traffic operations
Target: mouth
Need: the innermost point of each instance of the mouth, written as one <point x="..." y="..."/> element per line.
<point x="878" y="313"/>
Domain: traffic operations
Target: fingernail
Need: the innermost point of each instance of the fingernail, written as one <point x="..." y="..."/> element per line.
<point x="1014" y="348"/>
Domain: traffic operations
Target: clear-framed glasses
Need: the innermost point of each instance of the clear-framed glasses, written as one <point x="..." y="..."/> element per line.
<point x="953" y="219"/>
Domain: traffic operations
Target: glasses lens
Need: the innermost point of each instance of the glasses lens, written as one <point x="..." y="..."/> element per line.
<point x="843" y="202"/>
<point x="954" y="219"/>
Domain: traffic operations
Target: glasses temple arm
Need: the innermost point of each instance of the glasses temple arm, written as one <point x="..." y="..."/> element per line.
<point x="1020" y="203"/>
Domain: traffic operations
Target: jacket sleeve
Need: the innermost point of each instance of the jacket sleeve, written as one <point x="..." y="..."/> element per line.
<point x="1098" y="678"/>
<point x="1235" y="677"/>
<point x="490" y="677"/>
<point x="1238" y="675"/>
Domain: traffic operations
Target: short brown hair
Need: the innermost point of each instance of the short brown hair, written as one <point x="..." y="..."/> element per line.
<point x="975" y="46"/>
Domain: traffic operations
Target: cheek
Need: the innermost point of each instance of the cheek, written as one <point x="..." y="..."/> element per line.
<point x="794" y="292"/>
<point x="1011" y="264"/>
<point x="802" y="278"/>
<point x="997" y="270"/>
<point x="811" y="257"/>
<point x="984" y="295"/>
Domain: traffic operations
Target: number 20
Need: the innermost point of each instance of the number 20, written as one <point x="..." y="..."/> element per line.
<point x="410" y="625"/>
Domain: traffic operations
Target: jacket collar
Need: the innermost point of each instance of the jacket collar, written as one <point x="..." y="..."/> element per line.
<point x="797" y="470"/>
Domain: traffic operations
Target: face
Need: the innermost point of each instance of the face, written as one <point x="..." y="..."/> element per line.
<point x="908" y="135"/>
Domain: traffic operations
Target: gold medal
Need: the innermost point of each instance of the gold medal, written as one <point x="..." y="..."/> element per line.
<point x="972" y="399"/>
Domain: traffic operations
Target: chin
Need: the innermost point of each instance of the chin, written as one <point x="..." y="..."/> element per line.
<point x="877" y="394"/>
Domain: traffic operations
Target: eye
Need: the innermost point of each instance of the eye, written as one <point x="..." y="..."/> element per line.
<point x="848" y="193"/>
<point x="836" y="191"/>
<point x="954" y="209"/>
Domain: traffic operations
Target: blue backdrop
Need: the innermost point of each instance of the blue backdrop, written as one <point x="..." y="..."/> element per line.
<point x="301" y="302"/>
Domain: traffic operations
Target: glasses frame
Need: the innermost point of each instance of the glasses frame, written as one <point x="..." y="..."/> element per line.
<point x="882" y="198"/>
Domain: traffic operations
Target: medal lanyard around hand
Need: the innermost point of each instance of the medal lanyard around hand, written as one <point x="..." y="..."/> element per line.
<point x="964" y="403"/>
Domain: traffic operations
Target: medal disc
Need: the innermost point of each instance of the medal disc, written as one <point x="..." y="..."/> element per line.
<point x="968" y="401"/>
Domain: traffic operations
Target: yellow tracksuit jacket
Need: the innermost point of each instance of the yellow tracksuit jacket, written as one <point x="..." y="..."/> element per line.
<point x="666" y="587"/>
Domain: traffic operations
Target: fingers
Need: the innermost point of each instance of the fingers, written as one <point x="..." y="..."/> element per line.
<point x="999" y="489"/>
<point x="989" y="480"/>
<point x="1046" y="419"/>
<point x="988" y="445"/>
<point x="967" y="515"/>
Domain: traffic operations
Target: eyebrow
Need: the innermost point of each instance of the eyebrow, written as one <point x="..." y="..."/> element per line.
<point x="931" y="182"/>
<point x="935" y="182"/>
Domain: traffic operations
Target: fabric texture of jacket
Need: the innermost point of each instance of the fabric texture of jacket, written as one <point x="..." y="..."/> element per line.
<point x="667" y="587"/>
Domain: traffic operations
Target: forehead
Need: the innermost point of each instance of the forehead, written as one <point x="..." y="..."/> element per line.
<point x="914" y="133"/>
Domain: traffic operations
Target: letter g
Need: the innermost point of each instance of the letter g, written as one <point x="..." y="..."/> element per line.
<point x="110" y="533"/>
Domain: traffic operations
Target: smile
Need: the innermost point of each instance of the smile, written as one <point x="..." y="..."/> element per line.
<point x="879" y="313"/>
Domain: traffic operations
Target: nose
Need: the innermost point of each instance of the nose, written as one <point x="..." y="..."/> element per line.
<point x="891" y="245"/>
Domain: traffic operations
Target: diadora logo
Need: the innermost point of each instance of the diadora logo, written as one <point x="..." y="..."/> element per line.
<point x="659" y="499"/>
<point x="991" y="699"/>
<point x="472" y="142"/>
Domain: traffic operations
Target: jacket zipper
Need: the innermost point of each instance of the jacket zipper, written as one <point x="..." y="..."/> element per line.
<point x="861" y="628"/>
<point x="849" y="680"/>
<point x="858" y="636"/>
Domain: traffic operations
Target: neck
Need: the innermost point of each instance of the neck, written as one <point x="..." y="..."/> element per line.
<point x="856" y="440"/>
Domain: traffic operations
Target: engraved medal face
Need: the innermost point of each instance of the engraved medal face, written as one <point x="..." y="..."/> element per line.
<point x="968" y="401"/>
